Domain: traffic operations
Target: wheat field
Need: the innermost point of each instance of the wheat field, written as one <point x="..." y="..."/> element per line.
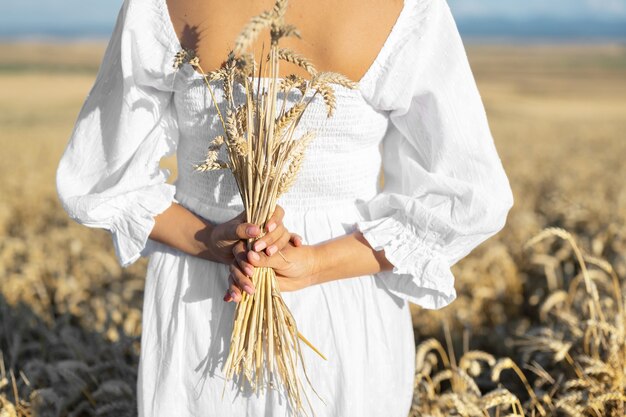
<point x="538" y="329"/>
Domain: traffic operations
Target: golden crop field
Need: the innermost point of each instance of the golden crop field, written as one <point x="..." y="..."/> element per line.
<point x="537" y="329"/>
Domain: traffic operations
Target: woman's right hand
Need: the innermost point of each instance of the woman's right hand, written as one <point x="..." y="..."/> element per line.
<point x="223" y="237"/>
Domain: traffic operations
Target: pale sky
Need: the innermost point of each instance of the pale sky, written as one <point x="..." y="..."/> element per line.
<point x="600" y="9"/>
<point x="27" y="16"/>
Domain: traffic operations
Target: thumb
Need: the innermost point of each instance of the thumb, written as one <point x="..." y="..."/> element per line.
<point x="237" y="230"/>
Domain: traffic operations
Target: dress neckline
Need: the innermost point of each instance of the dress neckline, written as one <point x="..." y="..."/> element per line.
<point x="380" y="58"/>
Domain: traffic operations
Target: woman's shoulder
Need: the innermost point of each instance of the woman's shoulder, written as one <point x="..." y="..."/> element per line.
<point x="143" y="42"/>
<point x="422" y="29"/>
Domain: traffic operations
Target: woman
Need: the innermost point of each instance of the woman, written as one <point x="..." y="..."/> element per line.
<point x="364" y="251"/>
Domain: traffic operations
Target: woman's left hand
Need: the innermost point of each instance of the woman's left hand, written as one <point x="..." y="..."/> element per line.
<point x="294" y="269"/>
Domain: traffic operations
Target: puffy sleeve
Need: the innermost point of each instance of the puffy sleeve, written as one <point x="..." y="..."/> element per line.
<point x="445" y="190"/>
<point x="109" y="176"/>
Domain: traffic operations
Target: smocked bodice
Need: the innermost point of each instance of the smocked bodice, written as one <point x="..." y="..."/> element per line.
<point x="341" y="164"/>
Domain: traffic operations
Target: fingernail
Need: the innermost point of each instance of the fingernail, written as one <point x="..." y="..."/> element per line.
<point x="249" y="271"/>
<point x="272" y="250"/>
<point x="226" y="296"/>
<point x="255" y="256"/>
<point x="248" y="289"/>
<point x="259" y="246"/>
<point x="233" y="294"/>
<point x="271" y="227"/>
<point x="252" y="231"/>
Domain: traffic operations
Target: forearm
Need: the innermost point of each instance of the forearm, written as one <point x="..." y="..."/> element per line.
<point x="183" y="230"/>
<point x="345" y="257"/>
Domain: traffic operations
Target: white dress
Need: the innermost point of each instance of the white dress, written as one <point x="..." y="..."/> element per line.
<point x="417" y="112"/>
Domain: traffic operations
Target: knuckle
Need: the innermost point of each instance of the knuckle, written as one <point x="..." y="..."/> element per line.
<point x="269" y="238"/>
<point x="256" y="258"/>
<point x="264" y="260"/>
<point x="237" y="248"/>
<point x="284" y="236"/>
<point x="240" y="231"/>
<point x="242" y="263"/>
<point x="239" y="276"/>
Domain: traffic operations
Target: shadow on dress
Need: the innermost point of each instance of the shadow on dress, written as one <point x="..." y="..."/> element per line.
<point x="220" y="323"/>
<point x="221" y="316"/>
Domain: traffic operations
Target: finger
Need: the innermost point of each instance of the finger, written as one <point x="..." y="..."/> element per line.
<point x="296" y="239"/>
<point x="236" y="229"/>
<point x="239" y="248"/>
<point x="269" y="238"/>
<point x="260" y="259"/>
<point x="233" y="291"/>
<point x="278" y="245"/>
<point x="275" y="220"/>
<point x="241" y="280"/>
<point x="239" y="252"/>
<point x="244" y="266"/>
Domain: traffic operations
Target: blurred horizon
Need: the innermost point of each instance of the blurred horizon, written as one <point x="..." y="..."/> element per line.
<point x="478" y="20"/>
<point x="552" y="77"/>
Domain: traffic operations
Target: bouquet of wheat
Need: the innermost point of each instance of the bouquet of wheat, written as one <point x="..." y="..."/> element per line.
<point x="264" y="158"/>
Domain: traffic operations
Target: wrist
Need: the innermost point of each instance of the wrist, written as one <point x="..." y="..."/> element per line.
<point x="346" y="257"/>
<point x="200" y="239"/>
<point x="318" y="266"/>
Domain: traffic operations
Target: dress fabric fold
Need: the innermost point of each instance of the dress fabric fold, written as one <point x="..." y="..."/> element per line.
<point x="417" y="115"/>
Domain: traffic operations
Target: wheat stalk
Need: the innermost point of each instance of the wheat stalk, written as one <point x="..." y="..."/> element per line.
<point x="264" y="158"/>
<point x="288" y="55"/>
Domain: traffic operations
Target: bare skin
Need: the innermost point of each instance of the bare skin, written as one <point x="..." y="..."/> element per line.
<point x="344" y="41"/>
<point x="343" y="36"/>
<point x="189" y="233"/>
